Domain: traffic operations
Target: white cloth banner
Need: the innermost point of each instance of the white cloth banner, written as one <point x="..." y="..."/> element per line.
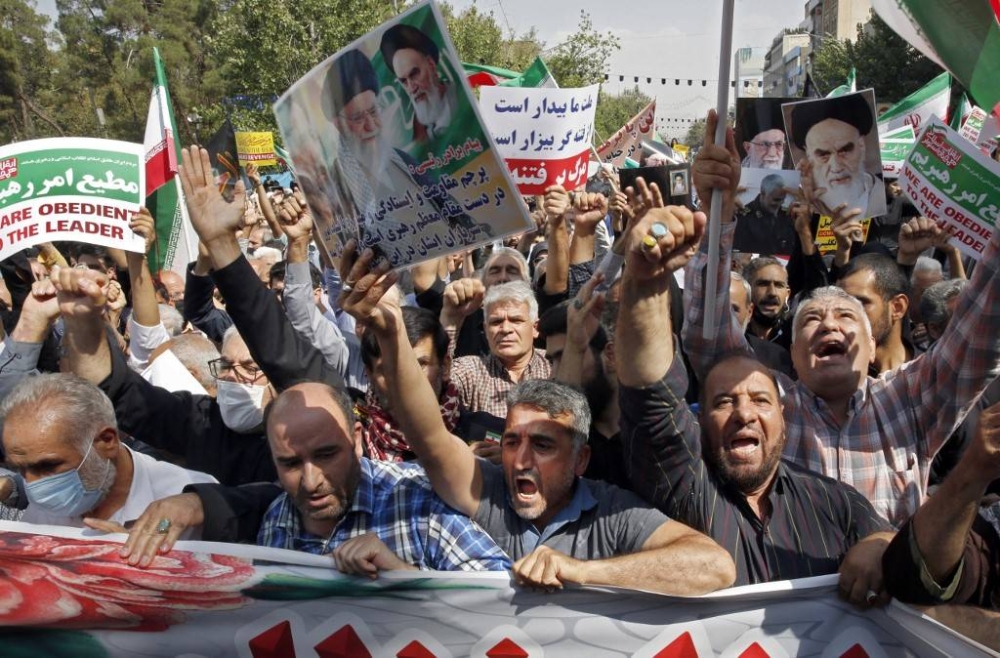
<point x="69" y="589"/>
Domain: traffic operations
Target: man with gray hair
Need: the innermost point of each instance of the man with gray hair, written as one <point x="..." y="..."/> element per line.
<point x="511" y="313"/>
<point x="560" y="528"/>
<point x="60" y="433"/>
<point x="879" y="435"/>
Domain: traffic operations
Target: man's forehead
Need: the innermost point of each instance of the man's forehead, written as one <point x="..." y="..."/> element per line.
<point x="737" y="372"/>
<point x="770" y="273"/>
<point x="531" y="420"/>
<point x="236" y="350"/>
<point x="772" y="134"/>
<point x="504" y="307"/>
<point x="832" y="130"/>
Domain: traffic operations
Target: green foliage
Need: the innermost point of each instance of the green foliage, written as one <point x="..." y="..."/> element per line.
<point x="479" y="39"/>
<point x="582" y="59"/>
<point x="614" y="111"/>
<point x="695" y="136"/>
<point x="883" y="60"/>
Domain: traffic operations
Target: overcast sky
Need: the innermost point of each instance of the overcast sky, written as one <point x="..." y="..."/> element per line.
<point x="659" y="39"/>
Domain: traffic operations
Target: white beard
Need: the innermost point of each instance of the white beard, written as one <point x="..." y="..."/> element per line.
<point x="853" y="195"/>
<point x="430" y="110"/>
<point x="373" y="154"/>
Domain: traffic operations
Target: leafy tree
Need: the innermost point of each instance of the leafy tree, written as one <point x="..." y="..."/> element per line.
<point x="614" y="111"/>
<point x="26" y="66"/>
<point x="582" y="59"/>
<point x="883" y="60"/>
<point x="695" y="136"/>
<point x="479" y="39"/>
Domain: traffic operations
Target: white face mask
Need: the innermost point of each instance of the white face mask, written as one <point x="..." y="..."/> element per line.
<point x="242" y="405"/>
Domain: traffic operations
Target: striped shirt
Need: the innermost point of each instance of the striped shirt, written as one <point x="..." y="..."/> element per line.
<point x="396" y="502"/>
<point x="483" y="381"/>
<point x="814" y="520"/>
<point x="897" y="422"/>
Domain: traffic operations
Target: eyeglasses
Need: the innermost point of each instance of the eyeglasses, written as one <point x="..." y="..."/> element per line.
<point x="780" y="144"/>
<point x="359" y="118"/>
<point x="223" y="368"/>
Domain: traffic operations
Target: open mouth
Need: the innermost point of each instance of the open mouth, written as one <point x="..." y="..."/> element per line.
<point x="526" y="487"/>
<point x="744" y="444"/>
<point x="831" y="349"/>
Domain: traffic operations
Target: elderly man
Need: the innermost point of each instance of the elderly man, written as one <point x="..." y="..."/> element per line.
<point x="367" y="169"/>
<point x="60" y="433"/>
<point x="949" y="552"/>
<point x="764" y="227"/>
<point x="724" y="475"/>
<point x="762" y="122"/>
<point x="878" y="435"/>
<point x="370" y="515"/>
<point x="483" y="382"/>
<point x="413" y="58"/>
<point x="220" y="436"/>
<point x="559" y="527"/>
<point x="832" y="135"/>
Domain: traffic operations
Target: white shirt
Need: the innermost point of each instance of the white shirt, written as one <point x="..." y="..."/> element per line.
<point x="151" y="480"/>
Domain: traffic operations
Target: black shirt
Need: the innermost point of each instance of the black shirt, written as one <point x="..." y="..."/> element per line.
<point x="814" y="519"/>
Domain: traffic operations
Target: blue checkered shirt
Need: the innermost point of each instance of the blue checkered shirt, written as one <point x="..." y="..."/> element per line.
<point x="396" y="502"/>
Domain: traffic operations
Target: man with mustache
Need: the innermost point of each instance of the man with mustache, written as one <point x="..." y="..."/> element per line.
<point x="368" y="169"/>
<point x="722" y="471"/>
<point x="413" y="58"/>
<point x="559" y="527"/>
<point x="832" y="134"/>
<point x="769" y="295"/>
<point x="878" y="435"/>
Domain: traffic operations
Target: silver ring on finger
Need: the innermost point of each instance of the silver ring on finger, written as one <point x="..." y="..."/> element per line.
<point x="163" y="527"/>
<point x="578" y="303"/>
<point x="871" y="597"/>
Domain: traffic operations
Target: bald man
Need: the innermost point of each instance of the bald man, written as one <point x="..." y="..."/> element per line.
<point x="371" y="516"/>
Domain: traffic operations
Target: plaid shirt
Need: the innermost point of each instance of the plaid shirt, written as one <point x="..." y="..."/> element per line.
<point x="396" y="502"/>
<point x="483" y="382"/>
<point x="897" y="422"/>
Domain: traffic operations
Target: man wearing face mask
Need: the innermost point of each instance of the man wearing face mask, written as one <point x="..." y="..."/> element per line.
<point x="60" y="432"/>
<point x="222" y="436"/>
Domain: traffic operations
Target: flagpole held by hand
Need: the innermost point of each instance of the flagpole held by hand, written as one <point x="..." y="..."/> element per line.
<point x="715" y="215"/>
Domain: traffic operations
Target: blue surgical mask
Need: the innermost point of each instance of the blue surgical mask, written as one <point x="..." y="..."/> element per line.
<point x="64" y="494"/>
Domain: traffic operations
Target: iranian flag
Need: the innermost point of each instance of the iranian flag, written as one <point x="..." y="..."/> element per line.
<point x="916" y="109"/>
<point x="847" y="88"/>
<point x="480" y="75"/>
<point x="962" y="36"/>
<point x="176" y="242"/>
<point x="536" y="75"/>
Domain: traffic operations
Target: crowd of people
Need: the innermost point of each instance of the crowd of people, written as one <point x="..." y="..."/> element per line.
<point x="518" y="407"/>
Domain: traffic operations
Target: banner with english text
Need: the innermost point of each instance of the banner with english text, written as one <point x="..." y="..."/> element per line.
<point x="66" y="592"/>
<point x="543" y="134"/>
<point x="950" y="181"/>
<point x="74" y="189"/>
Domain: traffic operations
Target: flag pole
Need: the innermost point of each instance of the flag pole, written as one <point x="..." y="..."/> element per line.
<point x="715" y="217"/>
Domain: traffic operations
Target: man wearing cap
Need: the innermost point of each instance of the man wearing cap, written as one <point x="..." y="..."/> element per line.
<point x="413" y="58"/>
<point x="368" y="169"/>
<point x="832" y="134"/>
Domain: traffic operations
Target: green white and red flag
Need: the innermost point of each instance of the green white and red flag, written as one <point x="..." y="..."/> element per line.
<point x="962" y="36"/>
<point x="536" y="75"/>
<point x="961" y="111"/>
<point x="917" y="109"/>
<point x="176" y="242"/>
<point x="480" y="75"/>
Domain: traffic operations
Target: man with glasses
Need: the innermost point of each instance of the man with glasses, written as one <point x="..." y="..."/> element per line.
<point x="222" y="436"/>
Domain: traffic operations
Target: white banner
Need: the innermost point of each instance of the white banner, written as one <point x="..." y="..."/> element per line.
<point x="69" y="594"/>
<point x="543" y="134"/>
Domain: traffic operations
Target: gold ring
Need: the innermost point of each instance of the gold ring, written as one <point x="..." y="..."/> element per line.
<point x="648" y="242"/>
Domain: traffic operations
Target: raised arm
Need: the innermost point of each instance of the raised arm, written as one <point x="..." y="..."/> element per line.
<point x="555" y="204"/>
<point x="300" y="304"/>
<point x="265" y="204"/>
<point x="451" y="467"/>
<point x="716" y="167"/>
<point x="936" y="557"/>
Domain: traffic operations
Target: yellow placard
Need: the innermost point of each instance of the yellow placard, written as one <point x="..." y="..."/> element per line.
<point x="826" y="241"/>
<point x="257" y="148"/>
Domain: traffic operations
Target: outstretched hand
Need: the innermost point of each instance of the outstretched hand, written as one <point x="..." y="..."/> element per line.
<point x="213" y="218"/>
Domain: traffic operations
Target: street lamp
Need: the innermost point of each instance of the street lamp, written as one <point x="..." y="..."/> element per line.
<point x="194" y="120"/>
